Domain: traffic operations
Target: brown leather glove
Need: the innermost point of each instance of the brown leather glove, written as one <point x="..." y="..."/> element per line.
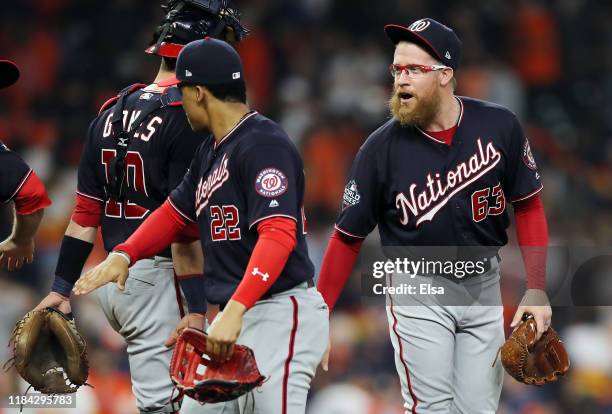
<point x="49" y="353"/>
<point x="531" y="362"/>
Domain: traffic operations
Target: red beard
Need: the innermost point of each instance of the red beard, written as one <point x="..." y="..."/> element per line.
<point x="419" y="111"/>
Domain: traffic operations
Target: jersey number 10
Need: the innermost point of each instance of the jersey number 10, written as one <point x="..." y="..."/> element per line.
<point x="136" y="180"/>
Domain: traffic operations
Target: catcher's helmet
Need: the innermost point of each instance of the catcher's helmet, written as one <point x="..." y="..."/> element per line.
<point x="188" y="20"/>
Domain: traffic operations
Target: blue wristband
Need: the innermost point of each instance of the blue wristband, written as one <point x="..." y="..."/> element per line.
<point x="61" y="286"/>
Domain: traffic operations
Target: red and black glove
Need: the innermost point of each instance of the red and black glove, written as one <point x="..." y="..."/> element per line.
<point x="221" y="380"/>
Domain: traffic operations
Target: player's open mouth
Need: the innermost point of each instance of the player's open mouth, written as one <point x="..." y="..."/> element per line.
<point x="404" y="97"/>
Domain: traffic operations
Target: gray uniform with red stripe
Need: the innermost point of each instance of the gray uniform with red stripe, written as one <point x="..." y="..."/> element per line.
<point x="252" y="174"/>
<point x="422" y="192"/>
<point x="147" y="311"/>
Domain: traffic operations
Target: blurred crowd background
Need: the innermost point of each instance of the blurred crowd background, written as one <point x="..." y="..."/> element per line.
<point x="319" y="67"/>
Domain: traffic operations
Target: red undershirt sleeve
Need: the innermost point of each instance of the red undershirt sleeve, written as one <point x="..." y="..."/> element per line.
<point x="532" y="234"/>
<point x="338" y="263"/>
<point x="32" y="196"/>
<point x="156" y="233"/>
<point x="277" y="239"/>
<point x="87" y="211"/>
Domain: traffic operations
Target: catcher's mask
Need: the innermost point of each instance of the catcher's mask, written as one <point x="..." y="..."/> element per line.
<point x="189" y="20"/>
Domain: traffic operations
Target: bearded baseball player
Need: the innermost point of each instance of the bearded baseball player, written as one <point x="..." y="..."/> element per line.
<point x="20" y="184"/>
<point x="440" y="173"/>
<point x="245" y="190"/>
<point x="138" y="149"/>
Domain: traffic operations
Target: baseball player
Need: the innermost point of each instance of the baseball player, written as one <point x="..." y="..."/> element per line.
<point x="245" y="190"/>
<point x="440" y="173"/>
<point x="138" y="149"/>
<point x="19" y="183"/>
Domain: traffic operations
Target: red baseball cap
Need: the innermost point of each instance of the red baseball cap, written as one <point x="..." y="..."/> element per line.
<point x="9" y="73"/>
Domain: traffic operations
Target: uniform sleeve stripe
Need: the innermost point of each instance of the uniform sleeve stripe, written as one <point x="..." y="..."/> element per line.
<point x="347" y="233"/>
<point x="529" y="195"/>
<point x="270" y="216"/>
<point x="23" y="181"/>
<point x="178" y="210"/>
<point x="89" y="196"/>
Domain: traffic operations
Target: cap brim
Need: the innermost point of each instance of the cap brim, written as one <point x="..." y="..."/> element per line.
<point x="9" y="73"/>
<point x="171" y="81"/>
<point x="398" y="33"/>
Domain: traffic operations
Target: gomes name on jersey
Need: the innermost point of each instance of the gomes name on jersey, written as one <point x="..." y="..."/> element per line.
<point x="438" y="192"/>
<point x="151" y="126"/>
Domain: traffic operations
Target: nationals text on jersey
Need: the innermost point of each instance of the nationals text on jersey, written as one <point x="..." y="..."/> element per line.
<point x="466" y="173"/>
<point x="208" y="186"/>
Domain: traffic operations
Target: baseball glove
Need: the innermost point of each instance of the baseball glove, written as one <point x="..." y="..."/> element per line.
<point x="221" y="380"/>
<point x="531" y="362"/>
<point x="49" y="353"/>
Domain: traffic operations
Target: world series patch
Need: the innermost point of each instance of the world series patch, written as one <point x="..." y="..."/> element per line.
<point x="351" y="195"/>
<point x="271" y="183"/>
<point x="528" y="158"/>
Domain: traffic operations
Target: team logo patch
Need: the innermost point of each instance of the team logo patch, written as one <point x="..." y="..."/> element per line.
<point x="146" y="96"/>
<point x="351" y="195"/>
<point x="528" y="156"/>
<point x="271" y="183"/>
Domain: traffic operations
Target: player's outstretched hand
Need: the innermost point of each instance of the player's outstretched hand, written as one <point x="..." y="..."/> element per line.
<point x="113" y="269"/>
<point x="224" y="331"/>
<point x="57" y="301"/>
<point x="191" y="320"/>
<point x="13" y="254"/>
<point x="534" y="302"/>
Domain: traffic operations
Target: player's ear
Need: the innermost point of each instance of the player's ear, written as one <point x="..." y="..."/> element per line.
<point x="446" y="76"/>
<point x="206" y="97"/>
<point x="199" y="93"/>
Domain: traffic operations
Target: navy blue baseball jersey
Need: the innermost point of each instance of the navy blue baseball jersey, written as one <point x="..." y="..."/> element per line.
<point x="423" y="192"/>
<point x="253" y="173"/>
<point x="13" y="173"/>
<point x="158" y="157"/>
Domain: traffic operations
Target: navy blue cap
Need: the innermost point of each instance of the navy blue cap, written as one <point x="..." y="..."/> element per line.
<point x="9" y="73"/>
<point x="437" y="39"/>
<point x="207" y="62"/>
